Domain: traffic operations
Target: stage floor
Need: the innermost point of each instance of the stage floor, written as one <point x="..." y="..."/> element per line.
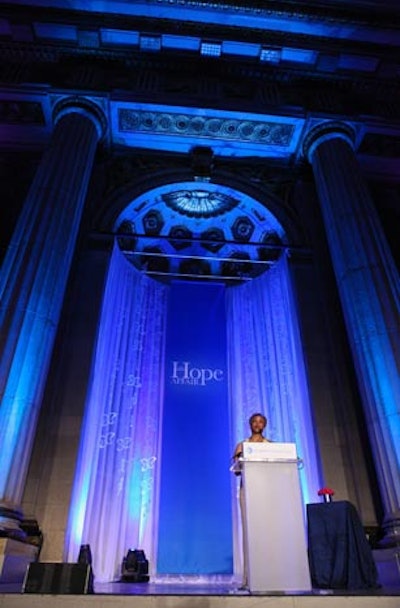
<point x="182" y="595"/>
<point x="215" y="589"/>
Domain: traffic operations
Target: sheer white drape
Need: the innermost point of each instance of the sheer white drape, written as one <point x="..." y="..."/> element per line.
<point x="267" y="372"/>
<point x="114" y="497"/>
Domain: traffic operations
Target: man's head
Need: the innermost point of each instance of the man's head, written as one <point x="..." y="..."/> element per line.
<point x="257" y="422"/>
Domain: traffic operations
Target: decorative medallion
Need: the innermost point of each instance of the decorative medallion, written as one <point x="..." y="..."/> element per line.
<point x="199" y="203"/>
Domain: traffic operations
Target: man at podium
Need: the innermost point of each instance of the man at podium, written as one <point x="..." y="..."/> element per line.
<point x="258" y="423"/>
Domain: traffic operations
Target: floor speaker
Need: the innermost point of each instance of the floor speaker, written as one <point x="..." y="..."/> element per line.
<point x="58" y="579"/>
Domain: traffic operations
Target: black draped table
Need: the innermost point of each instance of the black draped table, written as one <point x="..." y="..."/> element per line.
<point x="340" y="556"/>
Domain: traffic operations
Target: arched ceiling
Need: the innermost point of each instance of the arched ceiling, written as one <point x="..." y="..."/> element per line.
<point x="198" y="229"/>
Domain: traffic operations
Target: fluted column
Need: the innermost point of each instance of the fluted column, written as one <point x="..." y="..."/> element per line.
<point x="368" y="284"/>
<point x="33" y="281"/>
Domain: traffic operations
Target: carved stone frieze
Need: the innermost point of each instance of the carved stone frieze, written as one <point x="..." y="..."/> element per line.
<point x="271" y="133"/>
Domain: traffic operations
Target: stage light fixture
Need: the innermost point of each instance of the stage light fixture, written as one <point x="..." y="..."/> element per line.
<point x="147" y="42"/>
<point x="85" y="555"/>
<point x="84" y="568"/>
<point x="270" y="55"/>
<point x="135" y="567"/>
<point x="211" y="49"/>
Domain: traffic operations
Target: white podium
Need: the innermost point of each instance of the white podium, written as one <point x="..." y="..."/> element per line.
<point x="275" y="535"/>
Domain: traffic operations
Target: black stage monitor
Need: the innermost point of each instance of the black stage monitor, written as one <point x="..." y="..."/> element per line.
<point x="49" y="578"/>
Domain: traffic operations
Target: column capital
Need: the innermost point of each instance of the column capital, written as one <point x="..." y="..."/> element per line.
<point x="325" y="131"/>
<point x="75" y="104"/>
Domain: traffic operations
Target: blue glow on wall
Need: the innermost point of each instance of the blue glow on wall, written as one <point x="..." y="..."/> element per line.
<point x="78" y="511"/>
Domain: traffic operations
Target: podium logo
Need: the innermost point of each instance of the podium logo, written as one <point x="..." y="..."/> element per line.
<point x="184" y="373"/>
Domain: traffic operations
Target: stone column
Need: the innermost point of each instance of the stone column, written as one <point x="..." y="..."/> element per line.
<point x="368" y="284"/>
<point x="32" y="286"/>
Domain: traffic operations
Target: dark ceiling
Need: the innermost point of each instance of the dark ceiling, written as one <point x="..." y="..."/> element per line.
<point x="228" y="79"/>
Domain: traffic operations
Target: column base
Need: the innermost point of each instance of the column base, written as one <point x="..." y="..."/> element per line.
<point x="388" y="566"/>
<point x="10" y="521"/>
<point x="391" y="531"/>
<point x="15" y="556"/>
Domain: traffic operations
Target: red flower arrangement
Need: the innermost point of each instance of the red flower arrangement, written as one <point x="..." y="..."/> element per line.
<point x="327" y="493"/>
